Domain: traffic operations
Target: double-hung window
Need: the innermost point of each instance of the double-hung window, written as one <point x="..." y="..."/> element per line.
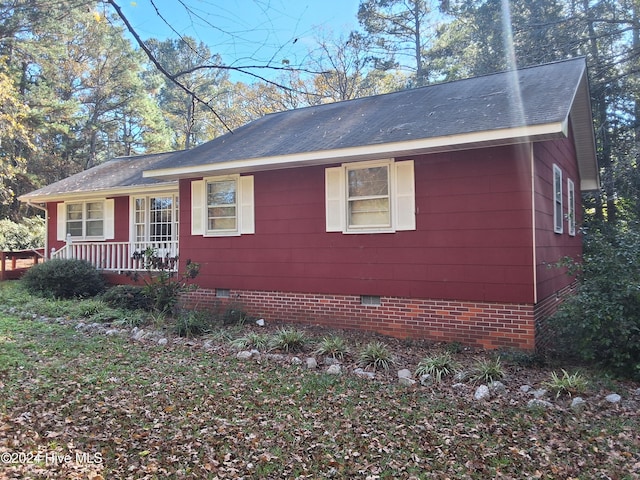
<point x="89" y="220"/>
<point x="571" y="207"/>
<point x="222" y="206"/>
<point x="370" y="197"/>
<point x="558" y="213"/>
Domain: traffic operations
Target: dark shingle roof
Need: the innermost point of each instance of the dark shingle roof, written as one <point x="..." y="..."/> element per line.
<point x="524" y="98"/>
<point x="118" y="173"/>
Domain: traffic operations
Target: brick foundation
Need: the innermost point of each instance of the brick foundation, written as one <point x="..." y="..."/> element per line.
<point x="479" y="324"/>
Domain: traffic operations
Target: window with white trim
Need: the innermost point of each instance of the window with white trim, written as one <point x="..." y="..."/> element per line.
<point x="87" y="220"/>
<point x="571" y="207"/>
<point x="558" y="213"/>
<point x="155" y="218"/>
<point x="222" y="206"/>
<point x="370" y="197"/>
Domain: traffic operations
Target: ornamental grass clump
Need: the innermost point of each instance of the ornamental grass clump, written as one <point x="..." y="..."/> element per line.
<point x="333" y="346"/>
<point x="438" y="366"/>
<point x="288" y="340"/>
<point x="488" y="370"/>
<point x="376" y="355"/>
<point x="567" y="384"/>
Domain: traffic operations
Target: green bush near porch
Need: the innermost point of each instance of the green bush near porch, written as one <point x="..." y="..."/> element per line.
<point x="64" y="278"/>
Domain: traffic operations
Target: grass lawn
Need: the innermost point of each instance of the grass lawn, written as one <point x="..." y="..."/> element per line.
<point x="77" y="405"/>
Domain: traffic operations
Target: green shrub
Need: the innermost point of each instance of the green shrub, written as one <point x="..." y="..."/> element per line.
<point x="130" y="297"/>
<point x="376" y="355"/>
<point x="64" y="278"/>
<point x="22" y="236"/>
<point x="601" y="322"/>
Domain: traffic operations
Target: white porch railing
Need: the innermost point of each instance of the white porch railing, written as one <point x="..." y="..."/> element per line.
<point x="119" y="256"/>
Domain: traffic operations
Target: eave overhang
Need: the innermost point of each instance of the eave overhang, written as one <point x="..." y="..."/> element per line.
<point x="510" y="136"/>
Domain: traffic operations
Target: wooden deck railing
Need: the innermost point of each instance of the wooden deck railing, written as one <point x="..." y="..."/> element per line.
<point x="119" y="256"/>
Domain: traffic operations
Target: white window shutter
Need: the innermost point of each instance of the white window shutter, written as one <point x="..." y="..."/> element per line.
<point x="247" y="216"/>
<point x="335" y="201"/>
<point x="405" y="196"/>
<point x="109" y="219"/>
<point x="197" y="207"/>
<point x="61" y="221"/>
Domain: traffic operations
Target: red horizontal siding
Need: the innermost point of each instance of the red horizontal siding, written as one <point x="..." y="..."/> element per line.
<point x="473" y="239"/>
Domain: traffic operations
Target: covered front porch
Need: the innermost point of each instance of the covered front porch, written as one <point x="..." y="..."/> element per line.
<point x="122" y="257"/>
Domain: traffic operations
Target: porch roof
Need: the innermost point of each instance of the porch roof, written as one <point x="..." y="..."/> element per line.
<point x="120" y="175"/>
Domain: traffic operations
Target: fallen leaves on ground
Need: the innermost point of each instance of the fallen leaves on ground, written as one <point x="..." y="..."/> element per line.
<point x="96" y="407"/>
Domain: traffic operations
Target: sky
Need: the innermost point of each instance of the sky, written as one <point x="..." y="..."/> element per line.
<point x="246" y="31"/>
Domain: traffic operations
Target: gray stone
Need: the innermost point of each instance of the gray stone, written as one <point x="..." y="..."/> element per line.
<point x="330" y="361"/>
<point x="208" y="344"/>
<point x="244" y="355"/>
<point x="80" y="326"/>
<point x="637" y="392"/>
<point x="526" y="388"/>
<point x="537" y="403"/>
<point x="334" y="370"/>
<point x="138" y="333"/>
<point x="578" y="402"/>
<point x="260" y="322"/>
<point x="406" y="381"/>
<point x="311" y="363"/>
<point x="296" y="361"/>
<point x="111" y="332"/>
<point x="426" y="379"/>
<point x="539" y="393"/>
<point x="482" y="393"/>
<point x="162" y="341"/>
<point x="613" y="398"/>
<point x="364" y="374"/>
<point x="497" y="388"/>
<point x="404" y="373"/>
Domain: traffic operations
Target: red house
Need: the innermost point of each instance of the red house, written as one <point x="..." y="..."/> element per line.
<point x="427" y="213"/>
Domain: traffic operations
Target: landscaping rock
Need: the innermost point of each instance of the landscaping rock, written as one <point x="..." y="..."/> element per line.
<point x="537" y="403"/>
<point x="364" y="374"/>
<point x="406" y="381"/>
<point x="137" y="333"/>
<point x="296" y="361"/>
<point x="426" y="379"/>
<point x="334" y="370"/>
<point x="311" y="363"/>
<point x="482" y="393"/>
<point x="405" y="373"/>
<point x="260" y="322"/>
<point x="244" y="355"/>
<point x="526" y="388"/>
<point x="162" y="341"/>
<point x="613" y="398"/>
<point x="331" y="361"/>
<point x="578" y="402"/>
<point x="459" y="386"/>
<point x="111" y="332"/>
<point x="637" y="392"/>
<point x="497" y="388"/>
<point x="276" y="357"/>
<point x="539" y="393"/>
<point x="80" y="326"/>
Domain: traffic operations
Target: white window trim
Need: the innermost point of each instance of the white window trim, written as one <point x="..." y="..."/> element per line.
<point x="147" y="224"/>
<point x="245" y="218"/>
<point x="558" y="221"/>
<point x="107" y="220"/>
<point x="571" y="207"/>
<point x="401" y="197"/>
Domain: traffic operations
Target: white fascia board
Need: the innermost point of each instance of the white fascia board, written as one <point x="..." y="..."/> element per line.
<point x="507" y="136"/>
<point x="102" y="193"/>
